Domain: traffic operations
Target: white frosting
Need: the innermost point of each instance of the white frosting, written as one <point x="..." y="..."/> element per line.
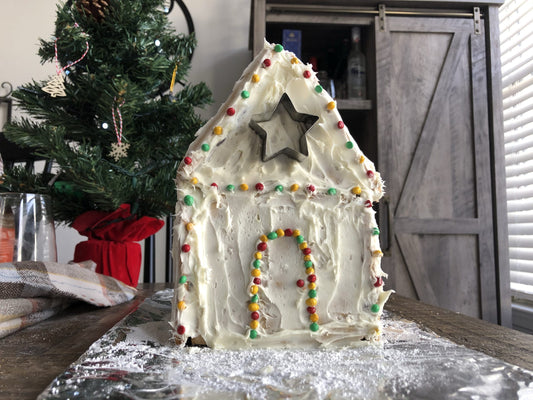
<point x="227" y="225"/>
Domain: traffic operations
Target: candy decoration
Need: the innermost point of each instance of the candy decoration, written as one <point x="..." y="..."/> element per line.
<point x="294" y="60"/>
<point x="186" y="248"/>
<point x="368" y="204"/>
<point x="230" y="188"/>
<point x="253" y="334"/>
<point x="340" y="125"/>
<point x="318" y="89"/>
<point x="214" y="185"/>
<point x="205" y="147"/>
<point x="370" y="174"/>
<point x="217" y="130"/>
<point x="189" y="226"/>
<point x="311" y="301"/>
<point x="259" y="186"/>
<point x="243" y="187"/>
<point x="332" y="191"/>
<point x="375" y="231"/>
<point x="356" y="190"/>
<point x="255" y="78"/>
<point x="230" y="111"/>
<point x="194" y="180"/>
<point x="330" y="106"/>
<point x="189" y="200"/>
<point x="278" y="48"/>
<point x="183" y="279"/>
<point x="295" y="187"/>
<point x="361" y="159"/>
<point x="181" y="330"/>
<point x="349" y="145"/>
<point x="245" y="94"/>
<point x="311" y="188"/>
<point x="181" y="305"/>
<point x="307" y="74"/>
<point x="279" y="188"/>
<point x="379" y="281"/>
<point x="267" y="63"/>
<point x="375" y="308"/>
<point x="187" y="160"/>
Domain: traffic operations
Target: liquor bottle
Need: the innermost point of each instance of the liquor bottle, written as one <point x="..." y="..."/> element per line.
<point x="7" y="235"/>
<point x="356" y="74"/>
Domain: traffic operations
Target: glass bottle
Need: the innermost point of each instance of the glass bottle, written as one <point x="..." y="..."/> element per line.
<point x="356" y="76"/>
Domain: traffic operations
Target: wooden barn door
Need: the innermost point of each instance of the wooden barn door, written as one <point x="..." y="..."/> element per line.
<point x="434" y="155"/>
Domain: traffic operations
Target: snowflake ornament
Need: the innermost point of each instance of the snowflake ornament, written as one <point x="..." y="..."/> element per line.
<point x="119" y="150"/>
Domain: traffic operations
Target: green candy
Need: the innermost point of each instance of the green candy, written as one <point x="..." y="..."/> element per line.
<point x="308" y="264"/>
<point x="375" y="231"/>
<point x="374" y="308"/>
<point x="300" y="239"/>
<point x="312" y="293"/>
<point x="278" y="48"/>
<point x="254" y="299"/>
<point x="245" y="94"/>
<point x="272" y="235"/>
<point x="279" y="188"/>
<point x="314" y="327"/>
<point x="189" y="200"/>
<point x="183" y="279"/>
<point x="332" y="191"/>
<point x="230" y="188"/>
<point x="349" y="145"/>
<point x="257" y="263"/>
<point x="206" y="147"/>
<point x="318" y="89"/>
<point x="253" y="334"/>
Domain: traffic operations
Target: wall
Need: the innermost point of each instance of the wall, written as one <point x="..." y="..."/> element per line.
<point x="221" y="55"/>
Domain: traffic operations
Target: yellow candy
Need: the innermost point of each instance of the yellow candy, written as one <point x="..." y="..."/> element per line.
<point x="263" y="238"/>
<point x="256" y="272"/>
<point x="296" y="233"/>
<point x="313" y="317"/>
<point x="258" y="255"/>
<point x="255" y="78"/>
<point x="194" y="180"/>
<point x="377" y="253"/>
<point x="217" y="130"/>
<point x="189" y="226"/>
<point x="254" y="289"/>
<point x="331" y="105"/>
<point x="307" y="257"/>
<point x="181" y="305"/>
<point x="294" y="60"/>
<point x="361" y="159"/>
<point x="254" y="324"/>
<point x="253" y="306"/>
<point x="356" y="190"/>
<point x="311" y="286"/>
<point x="280" y="232"/>
<point x="310" y="271"/>
<point x="303" y="245"/>
<point x="295" y="187"/>
<point x="311" y="302"/>
<point x="244" y="187"/>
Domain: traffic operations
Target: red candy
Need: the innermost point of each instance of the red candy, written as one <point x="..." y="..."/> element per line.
<point x="311" y="188"/>
<point x="257" y="281"/>
<point x="288" y="232"/>
<point x="230" y="111"/>
<point x="262" y="246"/>
<point x="187" y="160"/>
<point x="306" y="251"/>
<point x="214" y="184"/>
<point x="379" y="281"/>
<point x="311" y="278"/>
<point x="255" y="315"/>
<point x="307" y="74"/>
<point x="300" y="283"/>
<point x="370" y="174"/>
<point x="368" y="204"/>
<point x="185" y="248"/>
<point x="259" y="186"/>
<point x="181" y="330"/>
<point x="267" y="62"/>
<point x="311" y="310"/>
<point x="340" y="124"/>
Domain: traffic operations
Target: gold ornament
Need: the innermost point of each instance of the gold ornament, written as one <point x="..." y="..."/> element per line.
<point x="55" y="87"/>
<point x="119" y="150"/>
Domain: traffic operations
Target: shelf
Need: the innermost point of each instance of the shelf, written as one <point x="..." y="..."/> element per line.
<point x="354" y="104"/>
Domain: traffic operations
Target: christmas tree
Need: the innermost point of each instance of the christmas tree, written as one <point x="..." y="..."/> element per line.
<point x="110" y="119"/>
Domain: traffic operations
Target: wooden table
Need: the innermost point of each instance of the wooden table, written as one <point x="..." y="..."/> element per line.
<point x="31" y="358"/>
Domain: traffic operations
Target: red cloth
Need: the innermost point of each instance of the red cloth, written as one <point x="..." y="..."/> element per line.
<point x="111" y="241"/>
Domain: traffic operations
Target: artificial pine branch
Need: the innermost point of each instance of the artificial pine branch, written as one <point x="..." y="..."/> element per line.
<point x="133" y="51"/>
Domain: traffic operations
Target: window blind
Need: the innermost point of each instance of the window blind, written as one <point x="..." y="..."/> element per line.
<point x="516" y="35"/>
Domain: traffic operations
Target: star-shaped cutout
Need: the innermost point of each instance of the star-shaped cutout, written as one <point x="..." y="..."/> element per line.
<point x="283" y="130"/>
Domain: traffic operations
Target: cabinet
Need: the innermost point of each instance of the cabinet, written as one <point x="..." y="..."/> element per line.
<point x="433" y="125"/>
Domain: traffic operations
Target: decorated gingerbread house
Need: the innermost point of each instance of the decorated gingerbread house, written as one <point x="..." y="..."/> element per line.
<point x="276" y="243"/>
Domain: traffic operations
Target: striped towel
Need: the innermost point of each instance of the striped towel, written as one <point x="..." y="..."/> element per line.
<point x="31" y="291"/>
